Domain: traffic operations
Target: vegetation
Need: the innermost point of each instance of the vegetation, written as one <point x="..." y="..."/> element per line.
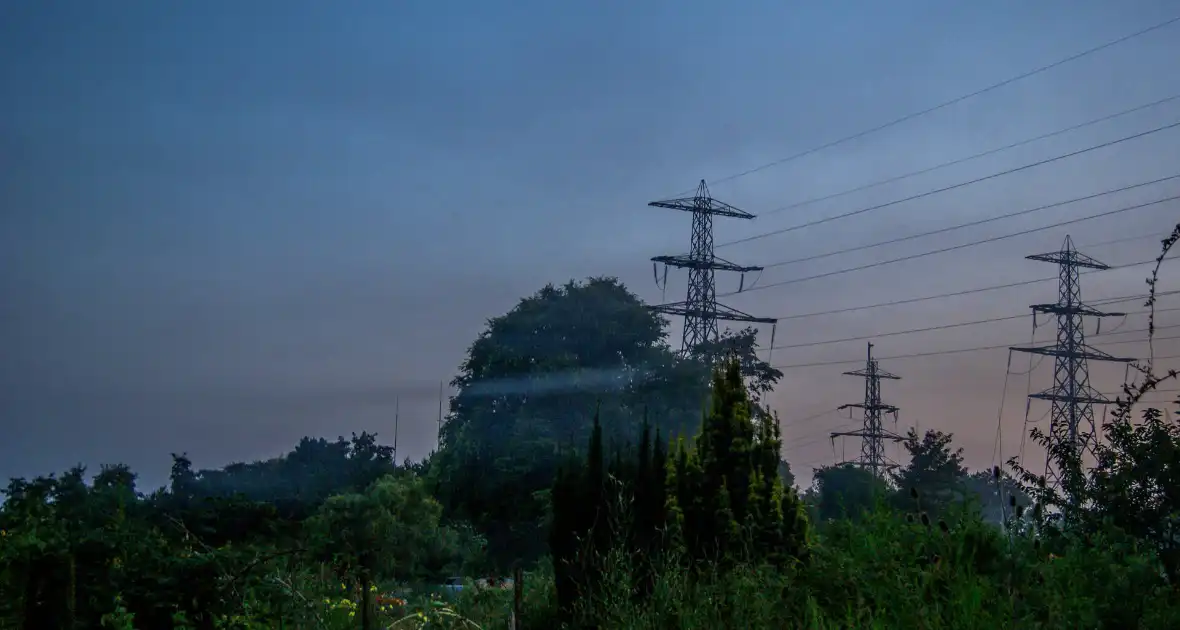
<point x="635" y="487"/>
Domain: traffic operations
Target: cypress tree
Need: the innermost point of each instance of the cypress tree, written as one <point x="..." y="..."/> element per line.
<point x="728" y="497"/>
<point x="563" y="534"/>
<point x="659" y="489"/>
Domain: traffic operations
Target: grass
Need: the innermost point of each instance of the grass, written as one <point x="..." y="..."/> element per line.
<point x="881" y="572"/>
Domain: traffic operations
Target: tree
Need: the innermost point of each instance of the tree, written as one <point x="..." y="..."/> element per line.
<point x="295" y="483"/>
<point x="785" y="474"/>
<point x="934" y="471"/>
<point x="389" y="528"/>
<point x="727" y="496"/>
<point x="529" y="388"/>
<point x="1135" y="484"/>
<point x="846" y="491"/>
<point x="719" y="502"/>
<point x="742" y="345"/>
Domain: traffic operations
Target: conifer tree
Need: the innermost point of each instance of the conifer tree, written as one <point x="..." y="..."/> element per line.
<point x="563" y="532"/>
<point x="728" y="497"/>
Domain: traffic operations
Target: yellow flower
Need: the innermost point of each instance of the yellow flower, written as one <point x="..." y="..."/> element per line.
<point x="351" y="614"/>
<point x="373" y="588"/>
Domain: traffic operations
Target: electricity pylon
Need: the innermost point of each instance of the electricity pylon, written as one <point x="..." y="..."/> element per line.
<point x="872" y="435"/>
<point x="700" y="309"/>
<point x="1072" y="416"/>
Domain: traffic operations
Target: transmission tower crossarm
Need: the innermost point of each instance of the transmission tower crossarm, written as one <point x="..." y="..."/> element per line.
<point x="1086" y="395"/>
<point x="877" y="407"/>
<point x="721" y="312"/>
<point x="861" y="433"/>
<point x="879" y="373"/>
<point x="702" y="203"/>
<point x="685" y="261"/>
<point x="1073" y="309"/>
<point x="730" y="314"/>
<point x="1082" y="352"/>
<point x="1072" y="257"/>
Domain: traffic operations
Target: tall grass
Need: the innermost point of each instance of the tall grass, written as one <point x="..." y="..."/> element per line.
<point x="883" y="571"/>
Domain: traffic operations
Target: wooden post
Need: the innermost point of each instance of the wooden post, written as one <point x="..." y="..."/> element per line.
<point x="517" y="597"/>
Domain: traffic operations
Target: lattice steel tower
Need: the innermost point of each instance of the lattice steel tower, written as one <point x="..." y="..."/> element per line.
<point x="872" y="435"/>
<point x="1072" y="417"/>
<point x="700" y="309"/>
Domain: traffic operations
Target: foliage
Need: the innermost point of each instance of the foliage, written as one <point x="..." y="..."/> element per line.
<point x="727" y="498"/>
<point x="100" y="554"/>
<point x="1133" y="486"/>
<point x="647" y="528"/>
<point x="887" y="571"/>
<point x="719" y="502"/>
<point x="935" y="470"/>
<point x="846" y="491"/>
<point x="531" y="385"/>
<point x="380" y="532"/>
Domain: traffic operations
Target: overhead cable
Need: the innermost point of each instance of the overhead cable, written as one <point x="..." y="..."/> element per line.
<point x="937" y="191"/>
<point x="974" y="156"/>
<point x="978" y="222"/>
<point x="945" y="104"/>
<point x="938" y="296"/>
<point x="952" y="248"/>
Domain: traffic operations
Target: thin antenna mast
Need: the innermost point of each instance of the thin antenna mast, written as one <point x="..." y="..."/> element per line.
<point x="438" y="438"/>
<point x="397" y="412"/>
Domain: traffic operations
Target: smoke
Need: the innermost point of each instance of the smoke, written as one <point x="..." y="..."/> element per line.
<point x="584" y="380"/>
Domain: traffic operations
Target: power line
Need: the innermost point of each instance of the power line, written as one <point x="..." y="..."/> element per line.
<point x="976" y="322"/>
<point x="953" y="248"/>
<point x="938" y="296"/>
<point x="975" y="156"/>
<point x="936" y="191"/>
<point x="975" y="223"/>
<point x="1125" y="239"/>
<point x="814" y="416"/>
<point x="955" y="351"/>
<point x="945" y="104"/>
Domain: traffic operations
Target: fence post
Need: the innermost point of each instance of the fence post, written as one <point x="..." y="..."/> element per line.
<point x="517" y="597"/>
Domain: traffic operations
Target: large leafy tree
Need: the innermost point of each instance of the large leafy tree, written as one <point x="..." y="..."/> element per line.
<point x="531" y="384"/>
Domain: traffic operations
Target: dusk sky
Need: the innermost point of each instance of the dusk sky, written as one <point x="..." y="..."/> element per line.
<point x="227" y="225"/>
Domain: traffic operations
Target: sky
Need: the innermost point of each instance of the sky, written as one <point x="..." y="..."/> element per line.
<point x="226" y="225"/>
